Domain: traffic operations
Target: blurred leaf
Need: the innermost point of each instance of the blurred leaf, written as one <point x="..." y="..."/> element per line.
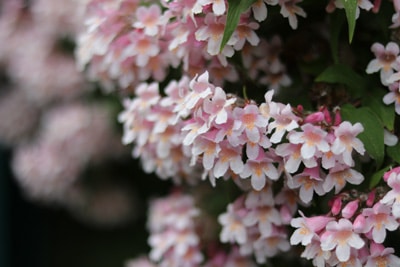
<point x="377" y="177"/>
<point x="394" y="152"/>
<point x="313" y="67"/>
<point x="372" y="136"/>
<point x="350" y="6"/>
<point x="385" y="113"/>
<point x="235" y="9"/>
<point x="340" y="73"/>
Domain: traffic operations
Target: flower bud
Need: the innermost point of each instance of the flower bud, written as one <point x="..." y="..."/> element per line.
<point x="336" y="206"/>
<point x="350" y="209"/>
<point x="315" y="117"/>
<point x="371" y="199"/>
<point x="359" y="224"/>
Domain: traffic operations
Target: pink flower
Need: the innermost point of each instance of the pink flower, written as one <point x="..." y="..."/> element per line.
<point x="245" y="32"/>
<point x="292" y="157"/>
<point x="212" y="33"/>
<point x="259" y="169"/>
<point x="284" y="121"/>
<point x="392" y="197"/>
<point x="289" y="10"/>
<point x="338" y="176"/>
<point x="387" y="174"/>
<point x="346" y="140"/>
<point x="265" y="217"/>
<point x="259" y="8"/>
<point x="142" y="47"/>
<point x="195" y="127"/>
<point x="378" y="219"/>
<point x="208" y="149"/>
<point x="393" y="96"/>
<point x="308" y="181"/>
<point x="233" y="229"/>
<point x="229" y="157"/>
<point x="319" y="257"/>
<point x="217" y="106"/>
<point x="149" y="19"/>
<point x="312" y="138"/>
<point x="381" y="256"/>
<point x="341" y="237"/>
<point x="200" y="89"/>
<point x="385" y="60"/>
<point x="218" y="6"/>
<point x="250" y="121"/>
<point x="307" y="228"/>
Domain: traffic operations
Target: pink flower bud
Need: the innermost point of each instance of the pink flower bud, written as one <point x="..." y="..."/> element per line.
<point x="338" y="117"/>
<point x="315" y="117"/>
<point x="377" y="5"/>
<point x="327" y="115"/>
<point x="359" y="224"/>
<point x="371" y="198"/>
<point x="336" y="206"/>
<point x="300" y="108"/>
<point x="349" y="210"/>
<point x="318" y="223"/>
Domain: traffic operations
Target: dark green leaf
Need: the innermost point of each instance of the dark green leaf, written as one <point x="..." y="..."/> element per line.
<point x="372" y="136"/>
<point x="394" y="152"/>
<point x="350" y="6"/>
<point x="377" y="177"/>
<point x="235" y="9"/>
<point x="336" y="23"/>
<point x="385" y="113"/>
<point x="343" y="74"/>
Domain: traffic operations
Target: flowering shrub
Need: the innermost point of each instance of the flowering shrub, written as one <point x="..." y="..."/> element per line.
<point x="289" y="111"/>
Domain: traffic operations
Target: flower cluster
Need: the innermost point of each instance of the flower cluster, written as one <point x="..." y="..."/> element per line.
<point x="177" y="237"/>
<point x="354" y="230"/>
<point x="227" y="138"/>
<point x="208" y="91"/>
<point x="215" y="133"/>
<point x="71" y="136"/>
<point x="57" y="137"/>
<point x="282" y="157"/>
<point x="387" y="63"/>
<point x="127" y="43"/>
<point x="173" y="237"/>
<point x="255" y="223"/>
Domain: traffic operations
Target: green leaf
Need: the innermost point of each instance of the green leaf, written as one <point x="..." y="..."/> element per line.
<point x="385" y="113"/>
<point x="372" y="136"/>
<point x="394" y="152"/>
<point x="350" y="6"/>
<point x="343" y="74"/>
<point x="336" y="23"/>
<point x="377" y="177"/>
<point x="235" y="9"/>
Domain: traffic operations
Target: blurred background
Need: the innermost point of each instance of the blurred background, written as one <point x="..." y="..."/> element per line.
<point x="70" y="193"/>
<point x="43" y="235"/>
